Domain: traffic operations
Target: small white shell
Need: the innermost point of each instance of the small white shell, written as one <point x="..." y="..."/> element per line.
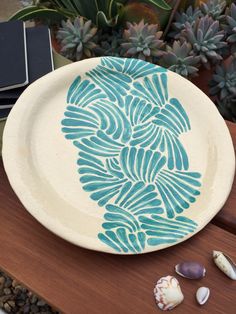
<point x="202" y="295"/>
<point x="167" y="293"/>
<point x="225" y="263"/>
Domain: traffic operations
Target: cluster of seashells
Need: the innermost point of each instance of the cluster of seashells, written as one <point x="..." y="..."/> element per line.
<point x="167" y="291"/>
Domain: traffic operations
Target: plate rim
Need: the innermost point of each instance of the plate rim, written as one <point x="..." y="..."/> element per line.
<point x="58" y="229"/>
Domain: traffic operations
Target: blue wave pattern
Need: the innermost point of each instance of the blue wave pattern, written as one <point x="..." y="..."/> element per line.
<point x="131" y="160"/>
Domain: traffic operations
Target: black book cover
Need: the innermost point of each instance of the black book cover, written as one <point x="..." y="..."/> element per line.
<point x="39" y="59"/>
<point x="13" y="55"/>
<point x="4" y="113"/>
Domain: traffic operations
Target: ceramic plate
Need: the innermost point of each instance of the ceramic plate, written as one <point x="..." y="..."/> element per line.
<point x="118" y="155"/>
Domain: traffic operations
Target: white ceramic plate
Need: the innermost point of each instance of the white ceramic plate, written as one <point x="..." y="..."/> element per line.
<point x="118" y="155"/>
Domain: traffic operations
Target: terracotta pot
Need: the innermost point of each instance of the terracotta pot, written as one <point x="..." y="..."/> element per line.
<point x="135" y="11"/>
<point x="55" y="43"/>
<point x="202" y="81"/>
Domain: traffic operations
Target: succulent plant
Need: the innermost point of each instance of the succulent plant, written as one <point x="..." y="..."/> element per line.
<point x="223" y="83"/>
<point x="214" y="8"/>
<point x="227" y="108"/>
<point x="207" y="39"/>
<point x="178" y="59"/>
<point x="109" y="43"/>
<point x="231" y="27"/>
<point x="181" y="18"/>
<point x="223" y="87"/>
<point x="101" y="12"/>
<point x="142" y="41"/>
<point x="77" y="39"/>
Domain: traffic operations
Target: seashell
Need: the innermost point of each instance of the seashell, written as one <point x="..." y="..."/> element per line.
<point x="202" y="295"/>
<point x="167" y="293"/>
<point x="190" y="270"/>
<point x="225" y="263"/>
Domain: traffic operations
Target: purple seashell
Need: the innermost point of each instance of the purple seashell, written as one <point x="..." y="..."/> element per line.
<point x="190" y="270"/>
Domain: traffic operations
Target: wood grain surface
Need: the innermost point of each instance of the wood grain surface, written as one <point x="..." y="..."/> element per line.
<point x="79" y="281"/>
<point x="227" y="216"/>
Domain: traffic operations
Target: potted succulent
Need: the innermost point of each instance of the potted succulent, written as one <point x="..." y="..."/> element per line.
<point x="194" y="38"/>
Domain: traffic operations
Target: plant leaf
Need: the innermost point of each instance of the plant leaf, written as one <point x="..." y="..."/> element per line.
<point x="161" y="4"/>
<point x="102" y="20"/>
<point x="23" y="11"/>
<point x="35" y="12"/>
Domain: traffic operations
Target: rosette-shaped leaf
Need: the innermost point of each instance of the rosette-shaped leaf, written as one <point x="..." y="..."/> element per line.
<point x="181" y="18"/>
<point x="223" y="83"/>
<point x="231" y="27"/>
<point x="223" y="86"/>
<point x="214" y="8"/>
<point x="227" y="108"/>
<point x="109" y="44"/>
<point x="207" y="39"/>
<point x="77" y="38"/>
<point x="178" y="59"/>
<point x="142" y="41"/>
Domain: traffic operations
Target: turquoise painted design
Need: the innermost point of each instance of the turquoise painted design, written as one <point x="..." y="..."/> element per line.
<point x="131" y="160"/>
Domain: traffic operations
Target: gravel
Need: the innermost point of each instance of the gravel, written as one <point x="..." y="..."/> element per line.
<point x="15" y="298"/>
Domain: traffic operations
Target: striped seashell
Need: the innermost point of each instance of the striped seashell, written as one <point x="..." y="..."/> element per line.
<point x="167" y="293"/>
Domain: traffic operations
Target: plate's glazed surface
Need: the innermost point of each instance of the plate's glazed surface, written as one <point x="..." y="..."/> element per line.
<point x="118" y="155"/>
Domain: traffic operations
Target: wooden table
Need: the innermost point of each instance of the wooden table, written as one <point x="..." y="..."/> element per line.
<point x="78" y="281"/>
<point x="226" y="218"/>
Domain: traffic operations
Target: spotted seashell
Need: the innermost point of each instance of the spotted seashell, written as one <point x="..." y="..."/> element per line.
<point x="167" y="293"/>
<point x="225" y="264"/>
